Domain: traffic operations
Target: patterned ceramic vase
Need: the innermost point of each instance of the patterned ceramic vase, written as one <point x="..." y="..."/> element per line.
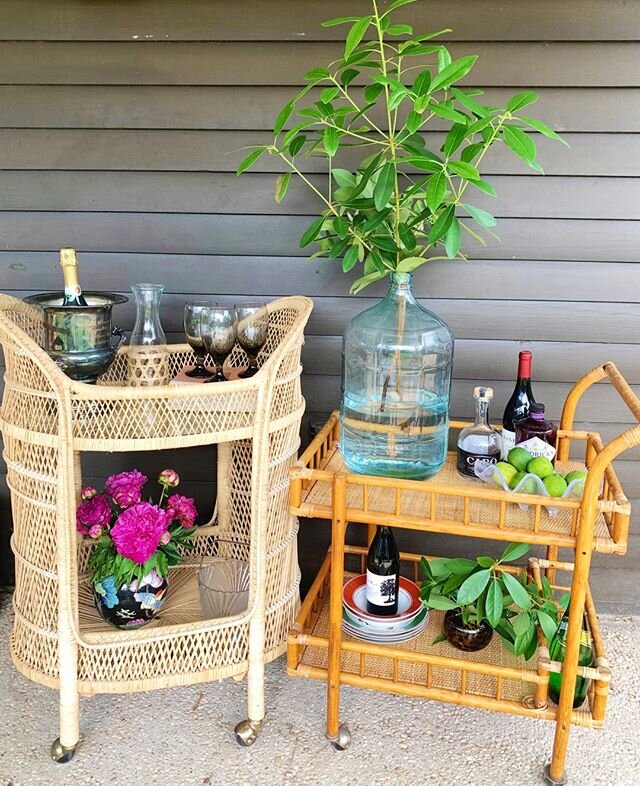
<point x="132" y="605"/>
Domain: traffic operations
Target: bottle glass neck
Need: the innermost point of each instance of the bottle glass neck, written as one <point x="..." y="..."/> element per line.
<point x="401" y="287"/>
<point x="482" y="412"/>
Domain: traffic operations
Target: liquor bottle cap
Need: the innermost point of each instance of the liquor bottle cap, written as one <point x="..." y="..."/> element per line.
<point x="536" y="409"/>
<point x="482" y="393"/>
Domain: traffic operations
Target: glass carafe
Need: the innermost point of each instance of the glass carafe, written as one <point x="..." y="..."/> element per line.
<point x="148" y="354"/>
<point x="396" y="379"/>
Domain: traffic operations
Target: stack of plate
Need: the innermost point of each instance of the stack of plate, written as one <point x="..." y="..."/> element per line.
<point x="408" y="623"/>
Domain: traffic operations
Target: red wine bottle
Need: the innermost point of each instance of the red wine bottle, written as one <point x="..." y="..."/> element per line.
<point x="519" y="403"/>
<point x="383" y="573"/>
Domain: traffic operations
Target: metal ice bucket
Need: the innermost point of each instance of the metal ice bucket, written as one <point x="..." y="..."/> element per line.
<point x="80" y="339"/>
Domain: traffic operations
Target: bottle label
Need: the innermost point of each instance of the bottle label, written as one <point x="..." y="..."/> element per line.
<point x="381" y="590"/>
<point x="538" y="447"/>
<point x="467" y="461"/>
<point x="508" y="442"/>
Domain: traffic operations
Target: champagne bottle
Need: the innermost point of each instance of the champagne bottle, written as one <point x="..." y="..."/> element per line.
<point x="72" y="290"/>
<point x="519" y="403"/>
<point x="557" y="652"/>
<point x="383" y="573"/>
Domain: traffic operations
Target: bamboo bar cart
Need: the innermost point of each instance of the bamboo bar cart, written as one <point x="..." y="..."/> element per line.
<point x="48" y="420"/>
<point x="322" y="487"/>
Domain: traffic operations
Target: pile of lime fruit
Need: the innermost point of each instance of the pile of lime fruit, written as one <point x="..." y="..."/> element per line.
<point x="521" y="463"/>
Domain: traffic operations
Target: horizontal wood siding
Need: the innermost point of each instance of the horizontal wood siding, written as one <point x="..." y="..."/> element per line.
<point x="122" y="125"/>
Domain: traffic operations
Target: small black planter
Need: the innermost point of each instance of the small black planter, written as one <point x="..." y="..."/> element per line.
<point x="467" y="637"/>
<point x="130" y="606"/>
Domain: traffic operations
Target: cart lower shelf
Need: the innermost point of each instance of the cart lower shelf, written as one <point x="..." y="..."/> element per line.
<point x="491" y="679"/>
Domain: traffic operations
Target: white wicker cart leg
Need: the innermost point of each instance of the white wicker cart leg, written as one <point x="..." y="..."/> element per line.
<point x="64" y="748"/>
<point x="247" y="731"/>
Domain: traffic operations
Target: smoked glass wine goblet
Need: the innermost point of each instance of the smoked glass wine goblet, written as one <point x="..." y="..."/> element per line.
<point x="253" y="324"/>
<point x="192" y="329"/>
<point x="218" y="330"/>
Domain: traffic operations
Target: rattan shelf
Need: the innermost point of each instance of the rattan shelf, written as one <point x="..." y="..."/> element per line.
<point x="48" y="420"/>
<point x="322" y="487"/>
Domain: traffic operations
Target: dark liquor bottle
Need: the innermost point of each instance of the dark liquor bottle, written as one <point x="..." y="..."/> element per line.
<point x="536" y="434"/>
<point x="383" y="573"/>
<point x="585" y="658"/>
<point x="479" y="441"/>
<point x="519" y="403"/>
<point x="72" y="290"/>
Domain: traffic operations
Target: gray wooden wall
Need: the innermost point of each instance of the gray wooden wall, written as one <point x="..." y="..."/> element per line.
<point x="118" y="123"/>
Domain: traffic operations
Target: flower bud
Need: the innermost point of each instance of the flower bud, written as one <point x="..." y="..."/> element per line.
<point x="88" y="492"/>
<point x="169" y="478"/>
<point x="95" y="531"/>
<point x="165" y="538"/>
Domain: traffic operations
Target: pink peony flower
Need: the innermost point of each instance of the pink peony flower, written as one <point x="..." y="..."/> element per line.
<point x="126" y="487"/>
<point x="88" y="492"/>
<point x="138" y="531"/>
<point x="169" y="478"/>
<point x="95" y="512"/>
<point x="182" y="509"/>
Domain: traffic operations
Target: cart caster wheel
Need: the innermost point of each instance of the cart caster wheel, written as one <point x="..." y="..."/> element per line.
<point x="247" y="732"/>
<point x="552" y="781"/>
<point x="342" y="741"/>
<point x="60" y="754"/>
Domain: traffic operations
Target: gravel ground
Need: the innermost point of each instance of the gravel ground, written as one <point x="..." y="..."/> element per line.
<point x="184" y="735"/>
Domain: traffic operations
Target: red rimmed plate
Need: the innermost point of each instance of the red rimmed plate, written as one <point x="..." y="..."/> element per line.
<point x="354" y="598"/>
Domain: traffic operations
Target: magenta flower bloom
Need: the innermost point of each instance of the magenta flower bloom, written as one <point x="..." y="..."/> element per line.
<point x="95" y="512"/>
<point x="138" y="531"/>
<point x="126" y="487"/>
<point x="182" y="509"/>
<point x="169" y="478"/>
<point x="88" y="492"/>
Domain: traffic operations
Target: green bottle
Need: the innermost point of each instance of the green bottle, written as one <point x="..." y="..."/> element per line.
<point x="585" y="658"/>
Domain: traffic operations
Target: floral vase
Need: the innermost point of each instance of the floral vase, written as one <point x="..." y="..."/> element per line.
<point x="132" y="605"/>
<point x="396" y="375"/>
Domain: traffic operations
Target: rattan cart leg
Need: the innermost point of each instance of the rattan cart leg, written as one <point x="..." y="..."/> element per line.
<point x="247" y="731"/>
<point x="338" y="734"/>
<point x="64" y="748"/>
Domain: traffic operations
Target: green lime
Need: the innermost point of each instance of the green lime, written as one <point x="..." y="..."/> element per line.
<point x="507" y="472"/>
<point x="576" y="474"/>
<point x="555" y="484"/>
<point x="520" y="458"/>
<point x="540" y="466"/>
<point x="516" y="479"/>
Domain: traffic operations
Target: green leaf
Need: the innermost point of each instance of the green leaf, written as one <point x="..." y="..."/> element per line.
<point x="441" y="602"/>
<point x="514" y="551"/>
<point x="483" y="217"/>
<point x="296" y="145"/>
<point x="399" y="30"/>
<point x="338" y="249"/>
<point x="486" y="562"/>
<point x="317" y="73"/>
<point x="408" y="265"/>
<point x="521" y="100"/>
<point x="521" y="623"/>
<point x="422" y="83"/>
<point x="548" y="625"/>
<point x="339" y="20"/>
<point x="285" y="114"/>
<point x="444" y="58"/>
<point x="384" y="185"/>
<point x="442" y="224"/>
<point x="465" y="170"/>
<point x="452" y="239"/>
<point x="520" y="142"/>
<point x="371" y="92"/>
<point x="250" y="160"/>
<point x="413" y="121"/>
<point x="397" y="97"/>
<point x="328" y="94"/>
<point x="282" y="183"/>
<point x="397" y="4"/>
<point x="448" y="113"/>
<point x="453" y="72"/>
<point x="494" y="603"/>
<point x="473" y="587"/>
<point x="543" y="128"/>
<point x="439" y="639"/>
<point x="356" y="34"/>
<point x="454" y="138"/>
<point x="331" y="140"/>
<point x="350" y="259"/>
<point x="436" y="190"/>
<point x="340" y="227"/>
<point x="374" y="221"/>
<point x="461" y="565"/>
<point x="424" y="566"/>
<point x="484" y="186"/>
<point x="311" y="232"/>
<point x="468" y="103"/>
<point x="407" y="237"/>
<point x="343" y="177"/>
<point x="517" y="592"/>
<point x="347" y="76"/>
<point x="360" y="283"/>
<point x="385" y="242"/>
<point x="425" y="163"/>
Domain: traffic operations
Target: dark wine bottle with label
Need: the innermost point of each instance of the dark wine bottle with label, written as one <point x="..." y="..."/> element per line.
<point x="383" y="573"/>
<point x="519" y="403"/>
<point x="585" y="658"/>
<point x="72" y="290"/>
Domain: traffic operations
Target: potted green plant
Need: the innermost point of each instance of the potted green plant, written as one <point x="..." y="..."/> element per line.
<point x="480" y="596"/>
<point x="406" y="203"/>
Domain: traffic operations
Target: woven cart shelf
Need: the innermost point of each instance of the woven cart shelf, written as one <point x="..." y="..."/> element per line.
<point x="323" y="487"/>
<point x="47" y="420"/>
